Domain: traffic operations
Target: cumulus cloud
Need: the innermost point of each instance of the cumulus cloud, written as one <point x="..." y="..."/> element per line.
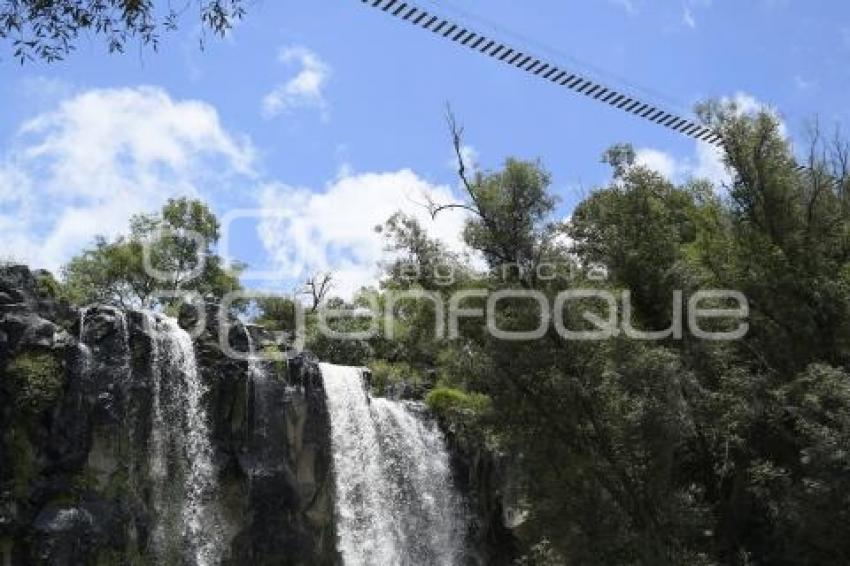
<point x="748" y="104"/>
<point x="708" y="165"/>
<point x="86" y="166"/>
<point x="706" y="162"/>
<point x="657" y="160"/>
<point x="305" y="89"/>
<point x="98" y="157"/>
<point x="334" y="229"/>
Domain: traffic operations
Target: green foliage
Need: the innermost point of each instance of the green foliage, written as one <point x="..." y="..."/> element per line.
<point x="683" y="451"/>
<point x="348" y="350"/>
<point x="276" y="313"/>
<point x="49" y="29"/>
<point x="455" y="404"/>
<point x="510" y="227"/>
<point x="47" y="286"/>
<point x="422" y="261"/>
<point x="627" y="452"/>
<point x="637" y="228"/>
<point x="386" y="374"/>
<point x="37" y="379"/>
<point x="177" y="239"/>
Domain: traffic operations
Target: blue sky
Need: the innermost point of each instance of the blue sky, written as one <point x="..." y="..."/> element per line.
<point x="328" y="115"/>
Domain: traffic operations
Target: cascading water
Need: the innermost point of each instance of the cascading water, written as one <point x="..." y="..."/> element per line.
<point x="85" y="351"/>
<point x="395" y="502"/>
<point x="189" y="528"/>
<point x="364" y="513"/>
<point x="429" y="510"/>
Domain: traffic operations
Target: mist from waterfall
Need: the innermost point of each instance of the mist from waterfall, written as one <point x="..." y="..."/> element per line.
<point x="395" y="501"/>
<point x="189" y="528"/>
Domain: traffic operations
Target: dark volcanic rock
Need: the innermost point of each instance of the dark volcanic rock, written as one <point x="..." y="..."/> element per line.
<point x="76" y="406"/>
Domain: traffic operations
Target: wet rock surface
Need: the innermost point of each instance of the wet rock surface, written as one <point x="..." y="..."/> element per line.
<point x="76" y="406"/>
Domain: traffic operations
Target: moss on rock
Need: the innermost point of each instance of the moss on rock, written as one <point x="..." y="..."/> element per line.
<point x="37" y="378"/>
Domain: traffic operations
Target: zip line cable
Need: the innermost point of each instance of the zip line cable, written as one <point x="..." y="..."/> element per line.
<point x="537" y="66"/>
<point x="526" y="61"/>
<point x="589" y="70"/>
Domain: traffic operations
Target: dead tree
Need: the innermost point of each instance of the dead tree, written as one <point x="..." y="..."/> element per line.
<point x="317" y="287"/>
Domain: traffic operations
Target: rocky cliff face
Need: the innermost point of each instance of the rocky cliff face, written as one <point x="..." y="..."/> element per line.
<point x="78" y="414"/>
<point x="496" y="513"/>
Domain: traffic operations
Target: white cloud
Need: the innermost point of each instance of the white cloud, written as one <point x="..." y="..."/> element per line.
<point x="305" y="89"/>
<point x="709" y="165"/>
<point x="85" y="167"/>
<point x="706" y="164"/>
<point x="334" y="229"/>
<point x="657" y="161"/>
<point x="468" y="154"/>
<point x="748" y="104"/>
<point x="707" y="160"/>
<point x="745" y="102"/>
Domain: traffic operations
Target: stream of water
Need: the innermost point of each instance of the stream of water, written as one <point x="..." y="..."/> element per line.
<point x="395" y="500"/>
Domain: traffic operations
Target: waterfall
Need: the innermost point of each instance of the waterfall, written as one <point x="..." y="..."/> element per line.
<point x="83" y="312"/>
<point x="85" y="351"/>
<point x="189" y="525"/>
<point x="395" y="502"/>
<point x="257" y="388"/>
<point x="364" y="514"/>
<point x="429" y="510"/>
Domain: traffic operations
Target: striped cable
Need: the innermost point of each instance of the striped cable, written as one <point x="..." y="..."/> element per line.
<point x="547" y="71"/>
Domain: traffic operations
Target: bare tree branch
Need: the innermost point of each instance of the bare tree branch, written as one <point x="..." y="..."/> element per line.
<point x="317" y="287"/>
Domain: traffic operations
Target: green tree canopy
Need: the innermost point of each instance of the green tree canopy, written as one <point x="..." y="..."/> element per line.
<point x="179" y="246"/>
<point x="679" y="451"/>
<point x="48" y="30"/>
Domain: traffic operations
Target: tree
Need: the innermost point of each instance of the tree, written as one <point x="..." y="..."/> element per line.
<point x="277" y="313"/>
<point x="688" y="451"/>
<point x="110" y="272"/>
<point x="790" y="240"/>
<point x="49" y="29"/>
<point x="419" y="260"/>
<point x="317" y="287"/>
<point x="638" y="228"/>
<point x="178" y="242"/>
<point x="510" y="210"/>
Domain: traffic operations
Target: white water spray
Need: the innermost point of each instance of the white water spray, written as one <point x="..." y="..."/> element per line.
<point x="180" y="446"/>
<point x="395" y="502"/>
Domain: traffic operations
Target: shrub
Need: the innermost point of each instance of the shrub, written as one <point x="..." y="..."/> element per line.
<point x="37" y="379"/>
<point x="386" y="374"/>
<point x="47" y="286"/>
<point x="451" y="403"/>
